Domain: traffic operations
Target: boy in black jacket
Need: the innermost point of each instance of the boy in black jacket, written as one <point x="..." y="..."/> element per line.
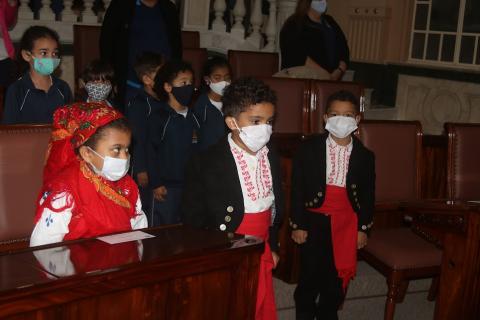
<point x="137" y="112"/>
<point x="333" y="190"/>
<point x="172" y="138"/>
<point x="235" y="185"/>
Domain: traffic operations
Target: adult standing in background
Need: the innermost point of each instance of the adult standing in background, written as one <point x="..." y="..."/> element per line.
<point x="312" y="38"/>
<point x="8" y="18"/>
<point x="131" y="27"/>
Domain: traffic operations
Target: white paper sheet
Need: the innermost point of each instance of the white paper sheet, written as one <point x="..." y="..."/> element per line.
<point x="125" y="237"/>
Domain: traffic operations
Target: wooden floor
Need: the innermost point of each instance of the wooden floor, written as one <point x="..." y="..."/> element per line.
<point x="365" y="299"/>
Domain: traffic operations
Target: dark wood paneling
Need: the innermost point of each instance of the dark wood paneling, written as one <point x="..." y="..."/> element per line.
<point x="456" y="229"/>
<point x="434" y="167"/>
<point x="181" y="273"/>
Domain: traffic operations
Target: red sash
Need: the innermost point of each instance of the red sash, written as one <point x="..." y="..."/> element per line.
<point x="258" y="225"/>
<point x="344" y="231"/>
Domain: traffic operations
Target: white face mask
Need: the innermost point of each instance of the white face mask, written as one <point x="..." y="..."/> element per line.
<point x="255" y="137"/>
<point x="319" y="6"/>
<point x="341" y="126"/>
<point x="218" y="87"/>
<point x="113" y="169"/>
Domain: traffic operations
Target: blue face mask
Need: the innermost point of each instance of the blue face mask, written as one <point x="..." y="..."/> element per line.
<point x="45" y="66"/>
<point x="319" y="6"/>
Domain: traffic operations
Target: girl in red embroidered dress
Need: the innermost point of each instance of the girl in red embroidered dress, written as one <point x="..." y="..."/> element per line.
<point x="86" y="191"/>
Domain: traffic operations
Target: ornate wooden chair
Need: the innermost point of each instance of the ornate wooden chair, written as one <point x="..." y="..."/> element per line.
<point x="197" y="57"/>
<point x="463" y="175"/>
<point x="254" y="64"/>
<point x="190" y="39"/>
<point x="394" y="250"/>
<point x="22" y="156"/>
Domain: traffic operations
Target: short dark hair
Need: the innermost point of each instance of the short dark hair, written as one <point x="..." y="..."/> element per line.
<point x="97" y="70"/>
<point x="28" y="39"/>
<point x="147" y="62"/>
<point x="119" y="124"/>
<point x="167" y="74"/>
<point x="34" y="33"/>
<point x="244" y="93"/>
<point x="343" y="95"/>
<point x="213" y="63"/>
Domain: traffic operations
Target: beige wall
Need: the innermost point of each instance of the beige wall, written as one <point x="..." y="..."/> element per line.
<point x="394" y="43"/>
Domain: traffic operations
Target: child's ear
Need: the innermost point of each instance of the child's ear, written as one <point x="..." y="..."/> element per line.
<point x="207" y="80"/>
<point x="358" y="117"/>
<point x="26" y="55"/>
<point x="325" y="118"/>
<point x="167" y="87"/>
<point x="85" y="154"/>
<point x="230" y="122"/>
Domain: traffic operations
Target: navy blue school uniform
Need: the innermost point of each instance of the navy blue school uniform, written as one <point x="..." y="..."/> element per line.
<point x="28" y="105"/>
<point x="212" y="123"/>
<point x="137" y="112"/>
<point x="172" y="139"/>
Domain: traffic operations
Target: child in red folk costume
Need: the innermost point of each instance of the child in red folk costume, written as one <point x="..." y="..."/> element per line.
<point x="86" y="191"/>
<point x="333" y="190"/>
<point x="235" y="185"/>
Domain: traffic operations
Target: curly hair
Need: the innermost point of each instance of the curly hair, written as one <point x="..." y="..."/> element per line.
<point x="342" y="95"/>
<point x="244" y="93"/>
<point x="167" y="74"/>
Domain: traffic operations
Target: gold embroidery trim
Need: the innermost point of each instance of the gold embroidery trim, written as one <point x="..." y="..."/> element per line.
<point x="60" y="134"/>
<point x="104" y="189"/>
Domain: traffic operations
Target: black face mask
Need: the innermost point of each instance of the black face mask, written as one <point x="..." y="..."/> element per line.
<point x="183" y="94"/>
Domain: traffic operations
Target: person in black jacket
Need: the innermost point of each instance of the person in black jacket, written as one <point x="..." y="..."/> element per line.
<point x="131" y="27"/>
<point x="333" y="196"/>
<point x="172" y="138"/>
<point x="312" y="38"/>
<point x="235" y="186"/>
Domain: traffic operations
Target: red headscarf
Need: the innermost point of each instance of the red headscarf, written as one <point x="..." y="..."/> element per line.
<point x="99" y="206"/>
<point x="72" y="126"/>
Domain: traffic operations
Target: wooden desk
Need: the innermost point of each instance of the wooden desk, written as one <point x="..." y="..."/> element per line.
<point x="181" y="273"/>
<point x="455" y="227"/>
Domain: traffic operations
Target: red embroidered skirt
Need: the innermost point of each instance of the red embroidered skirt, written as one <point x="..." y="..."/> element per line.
<point x="344" y="231"/>
<point x="258" y="225"/>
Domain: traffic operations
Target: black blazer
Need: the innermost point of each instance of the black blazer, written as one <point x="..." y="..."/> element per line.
<point x="303" y="38"/>
<point x="309" y="181"/>
<point x="212" y="195"/>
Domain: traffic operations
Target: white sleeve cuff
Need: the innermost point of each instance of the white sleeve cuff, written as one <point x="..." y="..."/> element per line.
<point x="52" y="226"/>
<point x="139" y="221"/>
